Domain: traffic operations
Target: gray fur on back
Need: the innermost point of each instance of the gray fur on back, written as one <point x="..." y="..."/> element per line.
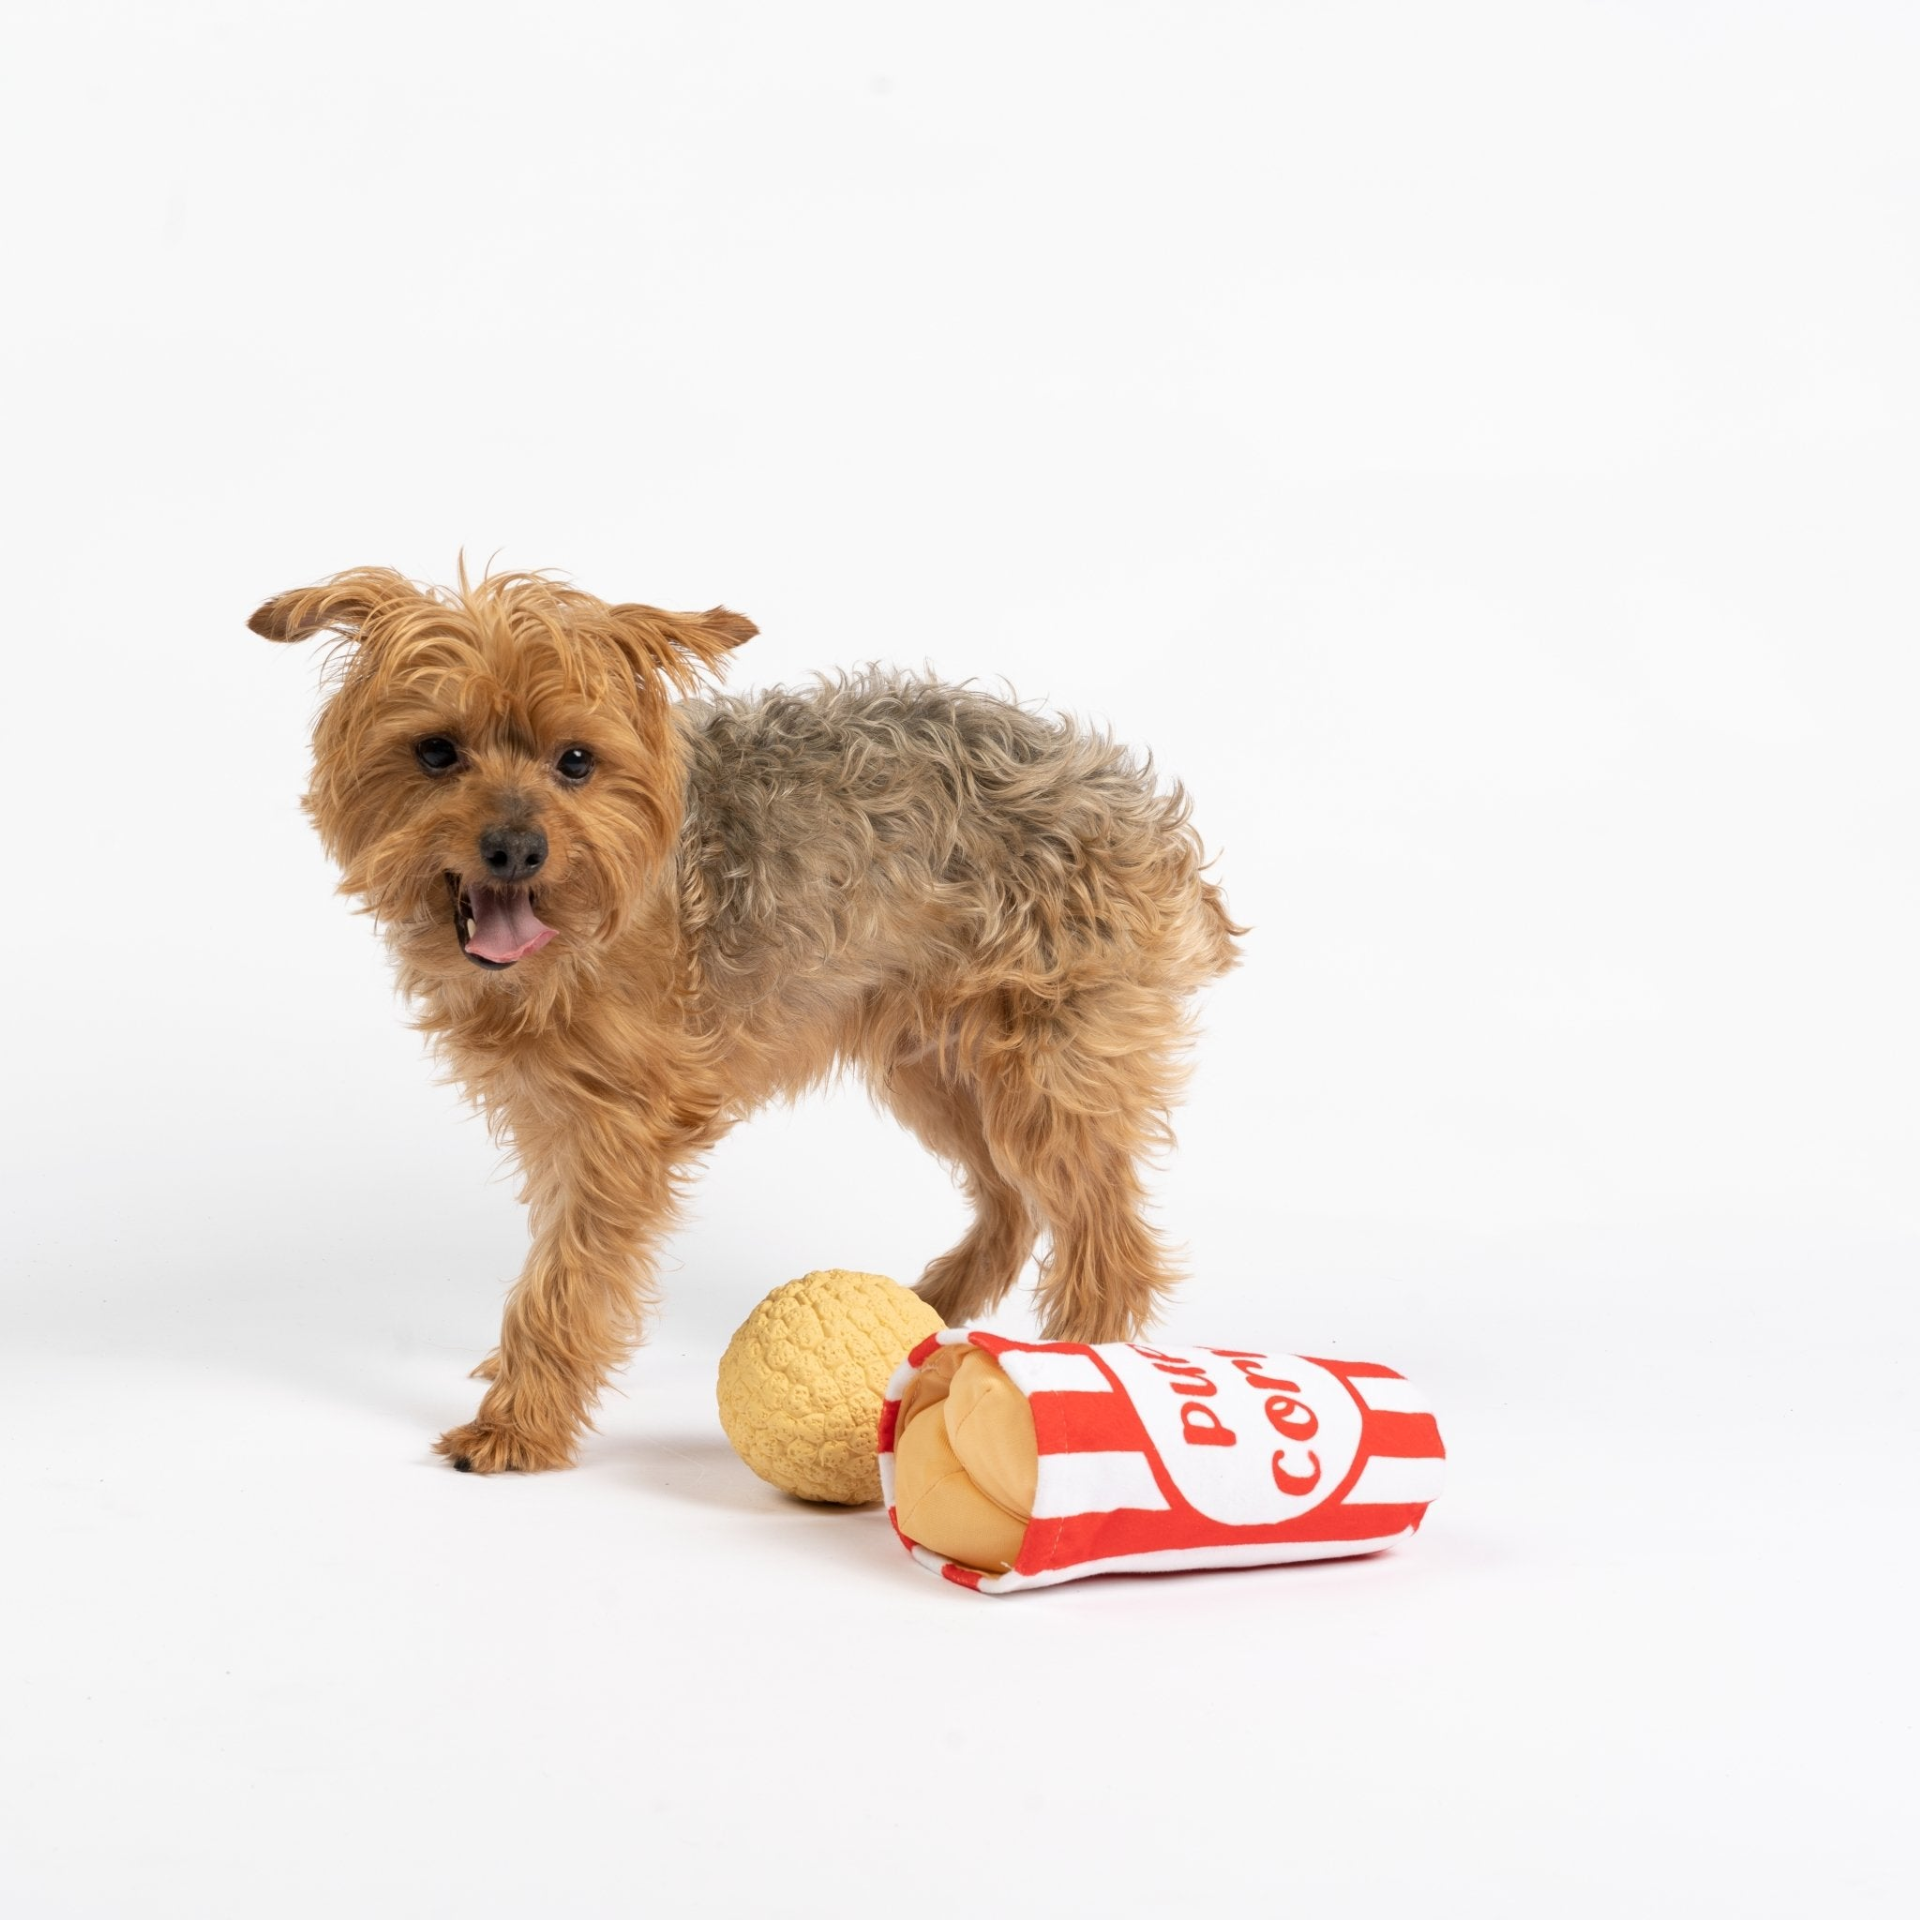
<point x="885" y="819"/>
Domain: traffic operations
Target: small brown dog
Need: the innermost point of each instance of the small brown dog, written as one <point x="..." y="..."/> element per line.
<point x="629" y="919"/>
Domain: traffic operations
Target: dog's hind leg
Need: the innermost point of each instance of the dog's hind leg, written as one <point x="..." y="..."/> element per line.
<point x="1070" y="1106"/>
<point x="976" y="1273"/>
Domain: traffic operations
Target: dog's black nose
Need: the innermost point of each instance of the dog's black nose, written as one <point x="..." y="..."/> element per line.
<point x="513" y="853"/>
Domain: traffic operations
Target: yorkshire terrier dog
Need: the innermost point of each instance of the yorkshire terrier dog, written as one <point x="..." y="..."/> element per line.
<point x="629" y="915"/>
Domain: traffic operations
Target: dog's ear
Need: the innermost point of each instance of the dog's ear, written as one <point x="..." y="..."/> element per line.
<point x="678" y="647"/>
<point x="343" y="604"/>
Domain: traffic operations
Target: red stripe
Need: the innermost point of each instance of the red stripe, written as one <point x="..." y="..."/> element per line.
<point x="1103" y="1536"/>
<point x="1355" y="1369"/>
<point x="889" y="1420"/>
<point x="1406" y="1436"/>
<point x="962" y="1576"/>
<point x="1341" y="1522"/>
<point x="1087" y="1423"/>
<point x="1107" y="1536"/>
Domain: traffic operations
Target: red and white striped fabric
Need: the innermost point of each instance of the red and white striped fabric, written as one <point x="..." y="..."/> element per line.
<point x="1156" y="1460"/>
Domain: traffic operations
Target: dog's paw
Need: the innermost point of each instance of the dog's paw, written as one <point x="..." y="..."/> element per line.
<point x="480" y="1447"/>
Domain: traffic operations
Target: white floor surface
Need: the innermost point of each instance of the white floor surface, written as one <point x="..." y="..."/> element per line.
<point x="270" y="1658"/>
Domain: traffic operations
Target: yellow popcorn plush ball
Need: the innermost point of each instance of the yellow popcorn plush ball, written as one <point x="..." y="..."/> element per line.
<point x="802" y="1381"/>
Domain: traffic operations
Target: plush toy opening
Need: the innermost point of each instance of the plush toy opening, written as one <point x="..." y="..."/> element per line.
<point x="965" y="1460"/>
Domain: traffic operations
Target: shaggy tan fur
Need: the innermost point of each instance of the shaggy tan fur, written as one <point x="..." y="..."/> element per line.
<point x="993" y="916"/>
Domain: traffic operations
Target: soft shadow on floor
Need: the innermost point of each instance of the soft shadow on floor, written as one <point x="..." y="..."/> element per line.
<point x="699" y="1470"/>
<point x="702" y="1470"/>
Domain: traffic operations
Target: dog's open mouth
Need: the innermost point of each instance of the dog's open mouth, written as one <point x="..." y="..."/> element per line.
<point x="495" y="925"/>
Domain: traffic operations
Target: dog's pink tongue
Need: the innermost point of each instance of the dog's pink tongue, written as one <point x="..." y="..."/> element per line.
<point x="505" y="926"/>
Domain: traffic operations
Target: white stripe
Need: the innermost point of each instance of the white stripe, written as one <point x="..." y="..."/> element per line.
<point x="1071" y="1483"/>
<point x="1391" y="1480"/>
<point x="1179" y="1560"/>
<point x="1391" y="1395"/>
<point x="1055" y="1373"/>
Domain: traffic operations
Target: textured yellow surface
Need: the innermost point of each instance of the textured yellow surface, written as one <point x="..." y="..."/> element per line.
<point x="802" y="1381"/>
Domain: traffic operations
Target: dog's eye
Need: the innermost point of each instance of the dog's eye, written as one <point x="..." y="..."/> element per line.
<point x="437" y="753"/>
<point x="575" y="764"/>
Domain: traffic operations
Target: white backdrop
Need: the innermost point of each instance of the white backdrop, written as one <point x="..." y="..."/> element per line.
<point x="1473" y="446"/>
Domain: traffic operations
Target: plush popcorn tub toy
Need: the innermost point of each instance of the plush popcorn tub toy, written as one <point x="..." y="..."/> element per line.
<point x="1006" y="1464"/>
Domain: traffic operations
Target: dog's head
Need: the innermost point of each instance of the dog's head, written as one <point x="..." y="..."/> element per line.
<point x="495" y="768"/>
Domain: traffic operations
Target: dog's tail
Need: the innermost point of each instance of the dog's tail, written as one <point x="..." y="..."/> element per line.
<point x="1220" y="931"/>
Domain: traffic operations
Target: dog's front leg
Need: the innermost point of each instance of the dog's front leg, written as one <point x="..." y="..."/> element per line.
<point x="600" y="1207"/>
